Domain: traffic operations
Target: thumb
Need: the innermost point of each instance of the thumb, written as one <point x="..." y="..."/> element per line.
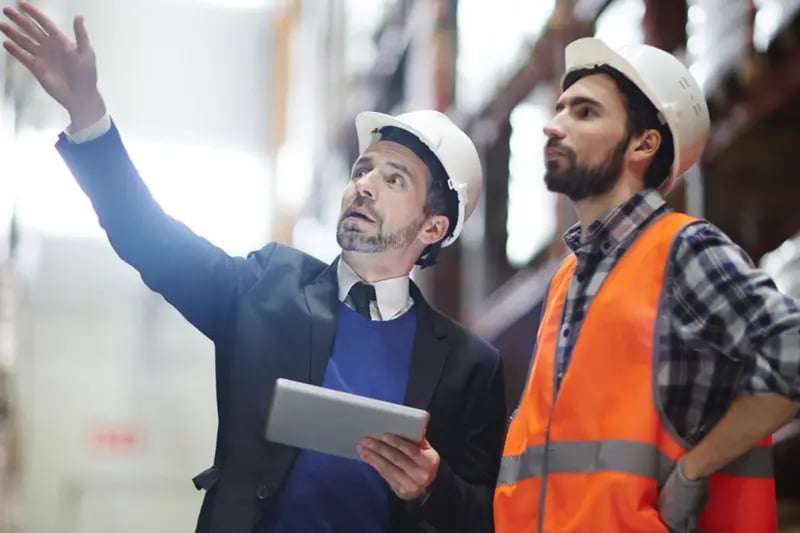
<point x="81" y="36"/>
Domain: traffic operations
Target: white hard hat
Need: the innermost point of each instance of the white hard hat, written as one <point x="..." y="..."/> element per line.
<point x="451" y="146"/>
<point x="666" y="82"/>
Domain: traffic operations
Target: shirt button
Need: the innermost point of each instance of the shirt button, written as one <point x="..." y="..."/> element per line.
<point x="565" y="333"/>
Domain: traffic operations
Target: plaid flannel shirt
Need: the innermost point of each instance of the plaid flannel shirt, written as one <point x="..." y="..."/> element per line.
<point x="727" y="330"/>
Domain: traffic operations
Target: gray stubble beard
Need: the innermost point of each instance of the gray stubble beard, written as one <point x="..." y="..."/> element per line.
<point x="352" y="240"/>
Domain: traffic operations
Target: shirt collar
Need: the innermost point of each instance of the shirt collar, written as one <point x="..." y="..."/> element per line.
<point x="613" y="228"/>
<point x="391" y="294"/>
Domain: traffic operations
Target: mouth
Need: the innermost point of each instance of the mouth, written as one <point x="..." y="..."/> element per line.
<point x="358" y="215"/>
<point x="552" y="153"/>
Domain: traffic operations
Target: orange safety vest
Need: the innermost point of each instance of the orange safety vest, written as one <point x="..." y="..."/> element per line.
<point x="591" y="458"/>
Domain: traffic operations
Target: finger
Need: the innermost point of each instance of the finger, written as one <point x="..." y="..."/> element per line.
<point x="81" y="35"/>
<point x="25" y="24"/>
<point x="411" y="449"/>
<point x="369" y="441"/>
<point x="373" y="460"/>
<point x="19" y="38"/>
<point x="41" y="19"/>
<point x="389" y="472"/>
<point x="21" y="55"/>
<point x="401" y="484"/>
<point x="394" y="456"/>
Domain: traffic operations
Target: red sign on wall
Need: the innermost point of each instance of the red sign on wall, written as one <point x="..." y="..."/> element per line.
<point x="115" y="437"/>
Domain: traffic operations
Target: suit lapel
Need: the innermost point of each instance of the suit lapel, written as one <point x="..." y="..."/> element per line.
<point x="428" y="356"/>
<point x="322" y="299"/>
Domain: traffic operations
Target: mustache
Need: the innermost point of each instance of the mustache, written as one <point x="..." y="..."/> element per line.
<point x="557" y="145"/>
<point x="365" y="204"/>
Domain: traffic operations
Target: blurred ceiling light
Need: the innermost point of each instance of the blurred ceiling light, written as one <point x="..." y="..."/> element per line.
<point x="493" y="38"/>
<point x="364" y="19"/>
<point x="621" y="23"/>
<point x="716" y="43"/>
<point x="696" y="14"/>
<point x="771" y="15"/>
<point x="531" y="222"/>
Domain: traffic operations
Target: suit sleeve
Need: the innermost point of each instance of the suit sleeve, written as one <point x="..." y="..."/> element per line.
<point x="461" y="497"/>
<point x="199" y="279"/>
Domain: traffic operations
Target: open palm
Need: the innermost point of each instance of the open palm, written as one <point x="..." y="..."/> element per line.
<point x="65" y="68"/>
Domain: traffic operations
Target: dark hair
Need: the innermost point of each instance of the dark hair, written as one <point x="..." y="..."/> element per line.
<point x="441" y="200"/>
<point x="642" y="115"/>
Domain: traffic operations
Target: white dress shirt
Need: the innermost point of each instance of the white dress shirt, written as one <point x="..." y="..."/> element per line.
<point x="392" y="297"/>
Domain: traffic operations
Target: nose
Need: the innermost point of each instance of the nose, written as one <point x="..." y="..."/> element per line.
<point x="553" y="129"/>
<point x="365" y="185"/>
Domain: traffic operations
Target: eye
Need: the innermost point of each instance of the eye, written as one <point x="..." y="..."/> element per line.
<point x="396" y="179"/>
<point x="359" y="172"/>
<point x="586" y="111"/>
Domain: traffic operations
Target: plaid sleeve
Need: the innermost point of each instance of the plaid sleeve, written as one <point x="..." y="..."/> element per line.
<point x="727" y="306"/>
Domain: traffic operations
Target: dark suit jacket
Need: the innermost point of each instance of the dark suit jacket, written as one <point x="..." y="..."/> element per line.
<point x="273" y="314"/>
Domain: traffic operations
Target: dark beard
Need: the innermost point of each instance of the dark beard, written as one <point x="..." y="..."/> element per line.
<point x="578" y="182"/>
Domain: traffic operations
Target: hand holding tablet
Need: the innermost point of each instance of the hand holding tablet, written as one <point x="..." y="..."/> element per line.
<point x="333" y="422"/>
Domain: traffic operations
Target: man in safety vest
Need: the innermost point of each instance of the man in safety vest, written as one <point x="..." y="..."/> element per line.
<point x="664" y="360"/>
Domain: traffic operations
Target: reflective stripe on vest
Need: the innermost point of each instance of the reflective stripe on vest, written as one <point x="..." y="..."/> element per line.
<point x="630" y="457"/>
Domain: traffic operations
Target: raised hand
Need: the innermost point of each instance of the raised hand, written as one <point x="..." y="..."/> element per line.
<point x="66" y="69"/>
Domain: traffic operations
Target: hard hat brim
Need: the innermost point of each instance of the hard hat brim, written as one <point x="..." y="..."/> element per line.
<point x="368" y="122"/>
<point x="590" y="52"/>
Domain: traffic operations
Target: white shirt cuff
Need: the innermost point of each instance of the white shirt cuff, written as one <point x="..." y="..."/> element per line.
<point x="89" y="133"/>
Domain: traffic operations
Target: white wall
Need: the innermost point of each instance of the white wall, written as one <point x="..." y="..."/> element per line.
<point x="99" y="355"/>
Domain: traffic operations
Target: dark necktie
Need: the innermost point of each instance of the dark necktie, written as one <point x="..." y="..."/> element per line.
<point x="361" y="295"/>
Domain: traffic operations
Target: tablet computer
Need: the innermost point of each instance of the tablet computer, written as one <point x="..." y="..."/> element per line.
<point x="332" y="422"/>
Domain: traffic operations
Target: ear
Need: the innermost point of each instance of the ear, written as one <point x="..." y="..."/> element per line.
<point x="645" y="145"/>
<point x="433" y="229"/>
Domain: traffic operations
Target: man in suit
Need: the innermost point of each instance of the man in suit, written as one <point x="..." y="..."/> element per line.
<point x="358" y="324"/>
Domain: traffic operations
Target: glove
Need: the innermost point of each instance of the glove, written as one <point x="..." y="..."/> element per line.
<point x="681" y="501"/>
